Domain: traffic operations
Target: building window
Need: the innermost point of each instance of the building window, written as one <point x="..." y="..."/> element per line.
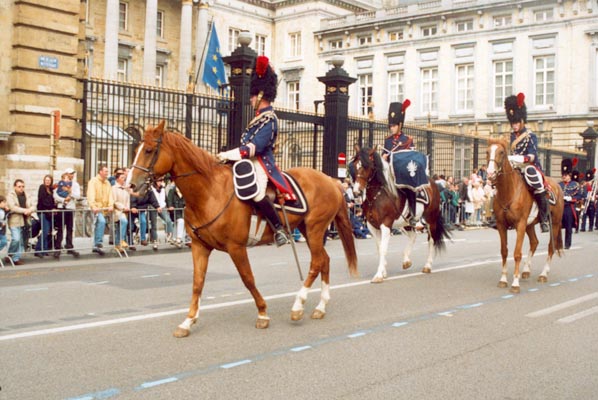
<point x="365" y="40"/>
<point x="160" y="76"/>
<point x="464" y="75"/>
<point x="430" y="30"/>
<point x="395" y="86"/>
<point x="503" y="81"/>
<point x="543" y="15"/>
<point x="544" y="80"/>
<point x="123" y="16"/>
<point x="295" y="44"/>
<point x="260" y="44"/>
<point x="365" y="94"/>
<point x="160" y="24"/>
<point x="233" y="39"/>
<point x="293" y="95"/>
<point x="502" y="21"/>
<point x="465" y="26"/>
<point x="122" y="70"/>
<point x="335" y="44"/>
<point x="395" y="36"/>
<point x="429" y="90"/>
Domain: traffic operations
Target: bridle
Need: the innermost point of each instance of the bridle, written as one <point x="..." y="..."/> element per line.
<point x="150" y="176"/>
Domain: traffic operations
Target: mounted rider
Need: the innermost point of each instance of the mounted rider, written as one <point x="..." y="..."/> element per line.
<point x="409" y="166"/>
<point x="257" y="145"/>
<point x="524" y="148"/>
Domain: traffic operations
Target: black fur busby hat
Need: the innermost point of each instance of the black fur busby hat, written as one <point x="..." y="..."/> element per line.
<point x="396" y="112"/>
<point x="590" y="174"/>
<point x="566" y="166"/>
<point x="515" y="108"/>
<point x="263" y="79"/>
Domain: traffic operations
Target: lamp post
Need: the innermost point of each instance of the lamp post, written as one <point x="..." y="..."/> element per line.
<point x="589" y="145"/>
<point x="241" y="63"/>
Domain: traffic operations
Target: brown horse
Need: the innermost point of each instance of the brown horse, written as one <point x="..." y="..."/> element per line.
<point x="384" y="207"/>
<point x="217" y="219"/>
<point x="514" y="207"/>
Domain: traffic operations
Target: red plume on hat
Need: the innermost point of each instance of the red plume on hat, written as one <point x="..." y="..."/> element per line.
<point x="406" y="104"/>
<point x="575" y="161"/>
<point x="261" y="65"/>
<point x="520" y="99"/>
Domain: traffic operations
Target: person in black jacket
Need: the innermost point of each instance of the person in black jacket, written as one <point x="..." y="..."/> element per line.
<point x="139" y="207"/>
<point x="176" y="204"/>
<point x="45" y="210"/>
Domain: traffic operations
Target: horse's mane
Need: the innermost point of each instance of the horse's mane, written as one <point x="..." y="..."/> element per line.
<point x="202" y="161"/>
<point x="376" y="164"/>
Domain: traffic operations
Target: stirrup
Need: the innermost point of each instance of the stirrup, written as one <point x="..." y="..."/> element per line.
<point x="281" y="238"/>
<point x="544" y="226"/>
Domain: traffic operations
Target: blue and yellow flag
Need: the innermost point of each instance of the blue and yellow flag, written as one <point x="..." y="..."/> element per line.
<point x="214" y="73"/>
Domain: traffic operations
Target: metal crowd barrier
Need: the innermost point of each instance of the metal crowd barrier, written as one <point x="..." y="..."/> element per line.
<point x="56" y="224"/>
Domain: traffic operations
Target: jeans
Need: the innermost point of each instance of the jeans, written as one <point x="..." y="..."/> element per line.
<point x="121" y="233"/>
<point x="100" y="226"/>
<point x="44" y="243"/>
<point x="153" y="214"/>
<point x="142" y="225"/>
<point x="16" y="243"/>
<point x="2" y="241"/>
<point x="62" y="222"/>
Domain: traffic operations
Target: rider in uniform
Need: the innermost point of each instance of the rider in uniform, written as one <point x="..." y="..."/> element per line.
<point x="571" y="195"/>
<point x="257" y="144"/>
<point x="396" y="142"/>
<point x="524" y="148"/>
<point x="590" y="211"/>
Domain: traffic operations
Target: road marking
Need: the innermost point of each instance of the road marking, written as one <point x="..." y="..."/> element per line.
<point x="36" y="289"/>
<point x="300" y="348"/>
<point x="98" y="283"/>
<point x="150" y="276"/>
<point x="562" y="306"/>
<point x="104" y="394"/>
<point x="399" y="324"/>
<point x="142" y="317"/>
<point x="579" y="315"/>
<point x="235" y="364"/>
<point x="146" y="385"/>
<point x="356" y="335"/>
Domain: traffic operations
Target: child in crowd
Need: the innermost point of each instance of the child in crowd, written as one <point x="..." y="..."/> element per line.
<point x="64" y="189"/>
<point x="3" y="218"/>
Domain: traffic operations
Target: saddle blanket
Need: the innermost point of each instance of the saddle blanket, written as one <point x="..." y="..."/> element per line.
<point x="410" y="168"/>
<point x="298" y="206"/>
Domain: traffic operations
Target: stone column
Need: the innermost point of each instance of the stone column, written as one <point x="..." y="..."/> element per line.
<point x="202" y="32"/>
<point x="185" y="62"/>
<point x="149" y="45"/>
<point x="111" y="40"/>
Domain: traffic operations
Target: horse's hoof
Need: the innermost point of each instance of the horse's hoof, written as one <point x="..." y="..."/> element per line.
<point x="525" y="275"/>
<point x="542" y="279"/>
<point x="515" y="289"/>
<point x="377" y="279"/>
<point x="317" y="314"/>
<point x="502" y="284"/>
<point x="407" y="264"/>
<point x="297" y="315"/>
<point x="262" y="323"/>
<point x="180" y="332"/>
<point x="427" y="270"/>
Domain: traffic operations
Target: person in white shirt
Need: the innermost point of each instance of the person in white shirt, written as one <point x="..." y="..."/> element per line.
<point x="160" y="192"/>
<point x="66" y="214"/>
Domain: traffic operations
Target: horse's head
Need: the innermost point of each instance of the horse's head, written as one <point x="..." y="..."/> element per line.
<point x="149" y="162"/>
<point x="497" y="157"/>
<point x="368" y="167"/>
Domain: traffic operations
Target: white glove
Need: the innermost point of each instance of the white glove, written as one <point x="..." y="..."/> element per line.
<point x="517" y="159"/>
<point x="568" y="198"/>
<point x="232" y="155"/>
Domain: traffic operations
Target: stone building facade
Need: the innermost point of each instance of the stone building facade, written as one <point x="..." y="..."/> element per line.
<point x="454" y="59"/>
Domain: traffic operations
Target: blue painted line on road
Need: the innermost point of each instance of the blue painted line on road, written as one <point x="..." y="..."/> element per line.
<point x="320" y="342"/>
<point x="533" y="289"/>
<point x="158" y="382"/>
<point x="555" y="284"/>
<point x="104" y="394"/>
<point x="235" y="364"/>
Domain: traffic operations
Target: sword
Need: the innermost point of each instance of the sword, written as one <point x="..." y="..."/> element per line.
<point x="286" y="221"/>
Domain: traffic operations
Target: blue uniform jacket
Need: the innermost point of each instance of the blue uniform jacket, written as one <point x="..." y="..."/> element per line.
<point x="258" y="141"/>
<point x="526" y="144"/>
<point x="398" y="142"/>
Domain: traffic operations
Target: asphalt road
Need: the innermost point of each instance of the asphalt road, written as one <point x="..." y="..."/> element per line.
<point x="102" y="328"/>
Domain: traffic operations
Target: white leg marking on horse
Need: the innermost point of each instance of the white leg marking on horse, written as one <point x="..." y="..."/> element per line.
<point x="515" y="282"/>
<point x="300" y="299"/>
<point x="430" y="259"/>
<point x="324" y="297"/>
<point x="528" y="262"/>
<point x="410" y="243"/>
<point x="190" y="321"/>
<point x="546" y="268"/>
<point x="382" y="251"/>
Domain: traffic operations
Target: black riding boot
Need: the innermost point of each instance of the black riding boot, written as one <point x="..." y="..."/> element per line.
<point x="542" y="211"/>
<point x="410" y="195"/>
<point x="267" y="208"/>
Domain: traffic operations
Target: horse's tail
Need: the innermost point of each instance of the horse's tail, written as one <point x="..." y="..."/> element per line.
<point x="439" y="234"/>
<point x="558" y="243"/>
<point x="345" y="232"/>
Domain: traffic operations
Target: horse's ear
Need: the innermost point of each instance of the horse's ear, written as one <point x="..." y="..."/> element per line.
<point x="356" y="148"/>
<point x="160" y="127"/>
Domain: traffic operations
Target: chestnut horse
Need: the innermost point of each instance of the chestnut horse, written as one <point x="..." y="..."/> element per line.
<point x="384" y="207"/>
<point x="514" y="207"/>
<point x="216" y="219"/>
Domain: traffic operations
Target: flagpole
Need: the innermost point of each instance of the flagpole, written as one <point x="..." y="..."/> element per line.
<point x="203" y="52"/>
